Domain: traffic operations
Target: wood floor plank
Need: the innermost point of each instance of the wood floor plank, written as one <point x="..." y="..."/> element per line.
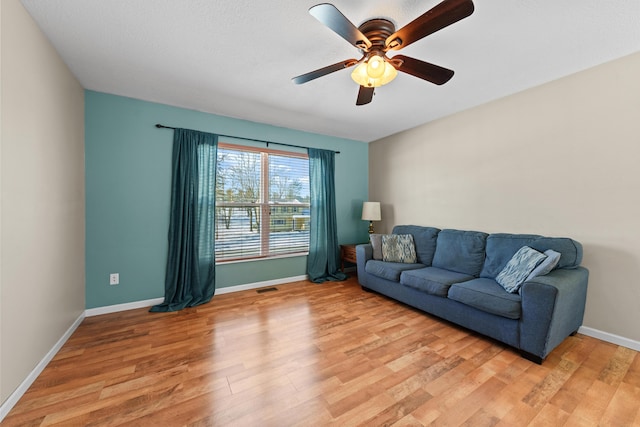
<point x="520" y="414"/>
<point x="550" y="415"/>
<point x="549" y="386"/>
<point x="399" y="409"/>
<point x="481" y="418"/>
<point x="505" y="400"/>
<point x="617" y="366"/>
<point x="623" y="407"/>
<point x="592" y="407"/>
<point x="314" y="355"/>
<point x="633" y="373"/>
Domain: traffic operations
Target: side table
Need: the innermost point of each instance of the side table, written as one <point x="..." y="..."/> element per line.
<point x="348" y="253"/>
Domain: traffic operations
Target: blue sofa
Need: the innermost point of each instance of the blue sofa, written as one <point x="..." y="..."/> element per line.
<point x="454" y="279"/>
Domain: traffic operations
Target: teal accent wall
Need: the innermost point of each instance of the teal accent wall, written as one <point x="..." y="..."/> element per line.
<point x="128" y="178"/>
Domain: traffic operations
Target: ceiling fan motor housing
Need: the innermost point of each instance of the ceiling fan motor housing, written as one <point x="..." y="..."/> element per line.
<point x="377" y="31"/>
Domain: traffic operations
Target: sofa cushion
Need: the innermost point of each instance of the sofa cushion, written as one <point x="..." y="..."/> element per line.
<point x="523" y="262"/>
<point x="487" y="295"/>
<point x="389" y="270"/>
<point x="460" y="251"/>
<point x="398" y="248"/>
<point x="501" y="247"/>
<point x="432" y="280"/>
<point x="424" y="238"/>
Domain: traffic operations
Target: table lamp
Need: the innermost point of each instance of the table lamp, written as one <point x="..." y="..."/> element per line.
<point x="371" y="212"/>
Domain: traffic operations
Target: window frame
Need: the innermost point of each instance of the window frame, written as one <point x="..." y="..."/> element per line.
<point x="264" y="205"/>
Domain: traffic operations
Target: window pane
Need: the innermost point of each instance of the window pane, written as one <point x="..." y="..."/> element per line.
<point x="289" y="200"/>
<point x="288" y="179"/>
<point x="289" y="232"/>
<point x="238" y="176"/>
<point x="237" y="231"/>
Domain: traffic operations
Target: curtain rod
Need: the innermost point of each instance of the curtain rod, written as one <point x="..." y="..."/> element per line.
<point x="159" y="126"/>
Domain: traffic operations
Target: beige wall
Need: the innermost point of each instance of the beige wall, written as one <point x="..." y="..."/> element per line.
<point x="42" y="215"/>
<point x="562" y="159"/>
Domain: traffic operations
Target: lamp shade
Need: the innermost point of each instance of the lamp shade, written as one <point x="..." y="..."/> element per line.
<point x="371" y="211"/>
<point x="374" y="73"/>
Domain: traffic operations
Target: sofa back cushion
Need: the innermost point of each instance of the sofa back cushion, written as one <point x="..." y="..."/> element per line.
<point x="502" y="246"/>
<point x="570" y="250"/>
<point x="424" y="239"/>
<point x="500" y="249"/>
<point x="460" y="251"/>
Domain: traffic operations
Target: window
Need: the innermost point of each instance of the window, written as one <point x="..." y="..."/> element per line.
<point x="262" y="203"/>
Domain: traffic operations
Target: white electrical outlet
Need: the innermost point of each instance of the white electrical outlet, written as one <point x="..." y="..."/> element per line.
<point x="114" y="278"/>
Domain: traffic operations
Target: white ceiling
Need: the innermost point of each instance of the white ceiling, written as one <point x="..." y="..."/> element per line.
<point x="237" y="57"/>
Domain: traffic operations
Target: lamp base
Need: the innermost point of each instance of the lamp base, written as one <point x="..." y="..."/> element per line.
<point x="371" y="227"/>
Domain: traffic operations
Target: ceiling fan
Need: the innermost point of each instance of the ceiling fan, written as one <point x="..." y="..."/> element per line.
<point x="375" y="37"/>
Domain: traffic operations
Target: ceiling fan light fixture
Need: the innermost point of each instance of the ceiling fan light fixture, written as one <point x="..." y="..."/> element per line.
<point x="374" y="72"/>
<point x="375" y="66"/>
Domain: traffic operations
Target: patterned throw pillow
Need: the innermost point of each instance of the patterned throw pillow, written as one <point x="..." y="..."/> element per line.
<point x="518" y="268"/>
<point x="547" y="265"/>
<point x="398" y="248"/>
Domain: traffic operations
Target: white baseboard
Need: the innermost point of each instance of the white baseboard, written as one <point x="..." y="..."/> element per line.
<point x="24" y="386"/>
<point x="608" y="337"/>
<point x="226" y="290"/>
<point x="122" y="307"/>
<point x="256" y="285"/>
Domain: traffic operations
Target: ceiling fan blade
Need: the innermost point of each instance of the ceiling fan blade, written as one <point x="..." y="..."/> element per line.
<point x="365" y="95"/>
<point x="330" y="16"/>
<point x="324" y="71"/>
<point x="442" y="15"/>
<point x="423" y="70"/>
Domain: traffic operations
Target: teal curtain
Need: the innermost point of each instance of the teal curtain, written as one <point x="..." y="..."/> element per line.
<point x="323" y="260"/>
<point x="190" y="272"/>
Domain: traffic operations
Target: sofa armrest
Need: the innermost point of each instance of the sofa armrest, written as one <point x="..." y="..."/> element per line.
<point x="364" y="253"/>
<point x="552" y="309"/>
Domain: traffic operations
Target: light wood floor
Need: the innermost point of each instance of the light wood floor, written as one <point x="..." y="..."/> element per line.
<point x="313" y="355"/>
